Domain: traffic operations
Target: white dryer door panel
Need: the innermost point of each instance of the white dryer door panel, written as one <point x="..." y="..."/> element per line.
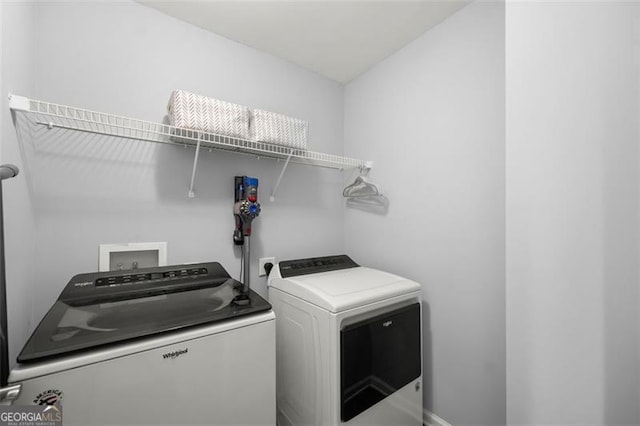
<point x="221" y="379"/>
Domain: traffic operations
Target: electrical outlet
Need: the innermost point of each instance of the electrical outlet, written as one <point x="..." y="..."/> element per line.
<point x="264" y="260"/>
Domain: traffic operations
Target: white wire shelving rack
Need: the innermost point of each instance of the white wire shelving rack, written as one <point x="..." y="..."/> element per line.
<point x="77" y="119"/>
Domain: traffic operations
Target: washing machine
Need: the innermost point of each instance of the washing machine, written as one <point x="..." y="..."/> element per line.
<point x="154" y="346"/>
<point x="348" y="344"/>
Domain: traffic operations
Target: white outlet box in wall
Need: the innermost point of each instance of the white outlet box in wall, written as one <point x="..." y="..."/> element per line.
<point x="115" y="257"/>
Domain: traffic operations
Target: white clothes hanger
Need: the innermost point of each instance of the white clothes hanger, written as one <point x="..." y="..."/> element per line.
<point x="362" y="187"/>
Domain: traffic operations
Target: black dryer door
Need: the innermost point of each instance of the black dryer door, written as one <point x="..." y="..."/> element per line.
<point x="379" y="355"/>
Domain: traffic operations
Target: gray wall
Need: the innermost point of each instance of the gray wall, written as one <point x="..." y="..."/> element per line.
<point x="572" y="213"/>
<point x="125" y="58"/>
<point x="431" y="117"/>
<point x="17" y="69"/>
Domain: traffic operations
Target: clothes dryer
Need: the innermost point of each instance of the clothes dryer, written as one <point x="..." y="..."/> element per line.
<point x="348" y="344"/>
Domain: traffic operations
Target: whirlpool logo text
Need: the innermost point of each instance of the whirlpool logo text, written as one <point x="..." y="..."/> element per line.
<point x="175" y="354"/>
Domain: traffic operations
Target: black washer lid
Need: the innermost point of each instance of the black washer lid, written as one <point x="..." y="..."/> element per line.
<point x="104" y="308"/>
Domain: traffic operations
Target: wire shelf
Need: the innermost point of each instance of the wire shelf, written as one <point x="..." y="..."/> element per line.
<point x="77" y="119"/>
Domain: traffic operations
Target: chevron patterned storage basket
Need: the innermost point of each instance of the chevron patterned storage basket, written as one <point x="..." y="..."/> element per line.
<point x="197" y="112"/>
<point x="279" y="129"/>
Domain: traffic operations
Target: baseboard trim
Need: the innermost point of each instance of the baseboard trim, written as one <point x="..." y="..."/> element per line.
<point x="430" y="419"/>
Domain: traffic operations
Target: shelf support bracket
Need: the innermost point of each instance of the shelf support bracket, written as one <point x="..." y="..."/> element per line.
<point x="272" y="197"/>
<point x="195" y="166"/>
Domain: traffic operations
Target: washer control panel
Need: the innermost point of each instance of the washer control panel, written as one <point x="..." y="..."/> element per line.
<point x="314" y="265"/>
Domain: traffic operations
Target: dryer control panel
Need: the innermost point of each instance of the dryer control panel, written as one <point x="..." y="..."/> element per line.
<point x="314" y="265"/>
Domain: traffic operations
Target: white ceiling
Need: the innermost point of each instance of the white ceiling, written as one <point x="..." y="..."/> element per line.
<point x="339" y="39"/>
